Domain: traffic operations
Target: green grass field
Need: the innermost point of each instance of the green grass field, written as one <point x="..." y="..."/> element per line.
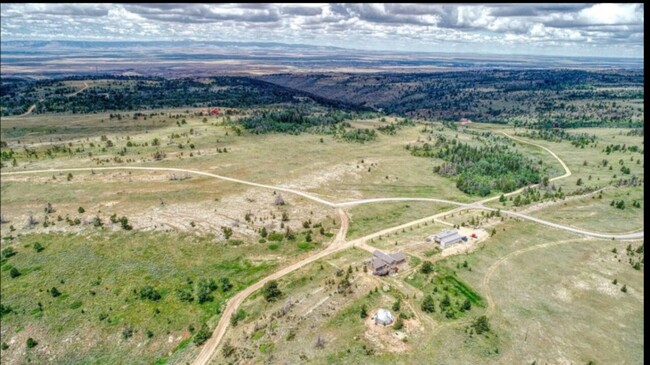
<point x="553" y="304"/>
<point x="100" y="276"/>
<point x="596" y="213"/>
<point x="373" y="217"/>
<point x="572" y="279"/>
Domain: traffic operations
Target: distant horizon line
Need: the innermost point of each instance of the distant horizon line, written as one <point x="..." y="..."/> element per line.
<point x="305" y="45"/>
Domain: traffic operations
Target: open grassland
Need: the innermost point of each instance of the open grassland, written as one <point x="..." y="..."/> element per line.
<point x="319" y="163"/>
<point x="587" y="163"/>
<point x="411" y="239"/>
<point x="573" y="278"/>
<point x="597" y="214"/>
<point x="181" y="221"/>
<point x="620" y="172"/>
<point x="101" y="277"/>
<point x="566" y="308"/>
<point x="153" y="202"/>
<point x="54" y="128"/>
<point x="562" y="265"/>
<point x="370" y="218"/>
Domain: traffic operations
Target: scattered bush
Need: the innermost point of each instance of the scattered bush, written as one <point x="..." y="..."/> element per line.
<point x="428" y="305"/>
<point x="481" y="325"/>
<point x="124" y="223"/>
<point x="227" y="231"/>
<point x="8" y="252"/>
<point x="127" y="332"/>
<point x="275" y="236"/>
<point x="5" y="309"/>
<point x="427" y="267"/>
<point x="399" y="323"/>
<point x="397" y="305"/>
<point x="202" y="335"/>
<point x="363" y="313"/>
<point x="237" y="316"/>
<point x="204" y="290"/>
<point x="38" y="247"/>
<point x="225" y="284"/>
<point x="228" y="349"/>
<point x="271" y="291"/>
<point x="31" y="343"/>
<point x="148" y="292"/>
<point x="184" y="295"/>
<point x="14" y="273"/>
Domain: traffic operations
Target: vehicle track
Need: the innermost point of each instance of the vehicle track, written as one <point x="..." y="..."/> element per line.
<point x="33" y="106"/>
<point x="339" y="243"/>
<point x="211" y="345"/>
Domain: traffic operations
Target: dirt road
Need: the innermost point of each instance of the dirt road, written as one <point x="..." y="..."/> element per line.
<point x="78" y="91"/>
<point x="29" y="111"/>
<point x="33" y="106"/>
<point x="339" y="242"/>
<point x="567" y="172"/>
<point x="211" y="345"/>
<point x="495" y="265"/>
<point x="196" y="172"/>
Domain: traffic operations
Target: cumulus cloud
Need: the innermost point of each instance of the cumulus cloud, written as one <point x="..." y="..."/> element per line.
<point x="596" y="29"/>
<point x="302" y="10"/>
<point x="202" y="13"/>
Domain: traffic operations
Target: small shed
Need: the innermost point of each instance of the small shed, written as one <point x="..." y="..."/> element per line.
<point x="383" y="317"/>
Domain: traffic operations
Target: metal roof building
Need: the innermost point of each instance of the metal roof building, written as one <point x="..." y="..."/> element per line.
<point x="446" y="238"/>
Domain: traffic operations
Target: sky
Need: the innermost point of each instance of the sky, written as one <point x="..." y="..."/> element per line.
<point x="585" y="29"/>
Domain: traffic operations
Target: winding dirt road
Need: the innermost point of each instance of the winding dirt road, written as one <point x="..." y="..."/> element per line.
<point x="33" y="106"/>
<point x="29" y="110"/>
<point x="339" y="243"/>
<point x="210" y="346"/>
<point x="196" y="172"/>
<point x="488" y="273"/>
<point x="78" y="91"/>
<point x="477" y="205"/>
<point x="567" y="172"/>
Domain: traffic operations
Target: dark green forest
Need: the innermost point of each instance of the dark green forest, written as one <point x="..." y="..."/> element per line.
<point x="559" y="98"/>
<point x="480" y="170"/>
<point x="538" y="99"/>
<point x="122" y="93"/>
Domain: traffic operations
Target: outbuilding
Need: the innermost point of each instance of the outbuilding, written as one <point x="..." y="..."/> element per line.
<point x="446" y="238"/>
<point x="383" y="317"/>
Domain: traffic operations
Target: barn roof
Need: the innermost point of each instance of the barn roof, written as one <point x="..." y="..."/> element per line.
<point x="446" y="233"/>
<point x="381" y="259"/>
<point x="450" y="239"/>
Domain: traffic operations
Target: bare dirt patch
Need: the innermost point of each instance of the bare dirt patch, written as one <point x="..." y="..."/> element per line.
<point x="231" y="211"/>
<point x="348" y="171"/>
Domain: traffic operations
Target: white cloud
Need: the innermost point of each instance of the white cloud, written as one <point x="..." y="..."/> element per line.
<point x="607" y="29"/>
<point x="611" y="14"/>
